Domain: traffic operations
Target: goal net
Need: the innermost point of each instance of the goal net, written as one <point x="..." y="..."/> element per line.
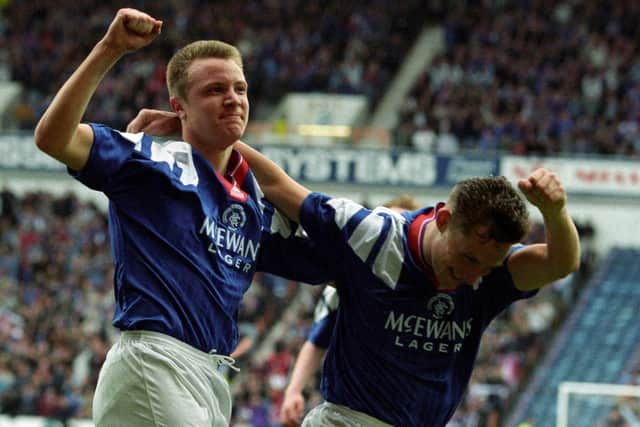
<point x="582" y="404"/>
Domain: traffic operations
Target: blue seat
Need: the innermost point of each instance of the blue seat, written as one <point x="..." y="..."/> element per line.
<point x="598" y="342"/>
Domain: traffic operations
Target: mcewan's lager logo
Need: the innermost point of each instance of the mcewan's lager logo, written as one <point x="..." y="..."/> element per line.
<point x="234" y="216"/>
<point x="434" y="331"/>
<point x="228" y="241"/>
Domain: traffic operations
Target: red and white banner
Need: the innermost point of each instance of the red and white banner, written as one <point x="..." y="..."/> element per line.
<point x="602" y="177"/>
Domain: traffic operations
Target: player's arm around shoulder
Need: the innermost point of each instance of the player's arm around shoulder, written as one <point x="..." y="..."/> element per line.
<point x="279" y="188"/>
<point x="540" y="264"/>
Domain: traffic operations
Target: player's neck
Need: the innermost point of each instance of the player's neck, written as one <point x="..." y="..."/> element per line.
<point x="217" y="156"/>
<point x="426" y="243"/>
<point x="428" y="239"/>
<point x="215" y="150"/>
<point x="220" y="160"/>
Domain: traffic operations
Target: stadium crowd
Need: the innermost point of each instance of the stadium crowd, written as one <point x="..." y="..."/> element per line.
<point x="56" y="306"/>
<point x="288" y="45"/>
<point x="539" y="77"/>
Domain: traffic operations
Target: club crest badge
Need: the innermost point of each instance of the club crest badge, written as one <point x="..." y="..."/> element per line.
<point x="234" y="217"/>
<point x="441" y="306"/>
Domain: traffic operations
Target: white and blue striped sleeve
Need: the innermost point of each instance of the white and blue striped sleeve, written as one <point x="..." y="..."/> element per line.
<point x="346" y="231"/>
<point x="287" y="251"/>
<point x="324" y="318"/>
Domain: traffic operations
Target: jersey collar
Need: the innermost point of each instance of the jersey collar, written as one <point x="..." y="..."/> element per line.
<point x="414" y="239"/>
<point x="234" y="177"/>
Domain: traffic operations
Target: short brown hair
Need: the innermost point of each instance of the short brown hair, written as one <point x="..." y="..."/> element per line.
<point x="490" y="201"/>
<point x="178" y="67"/>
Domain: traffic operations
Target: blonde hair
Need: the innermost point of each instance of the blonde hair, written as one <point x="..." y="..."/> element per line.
<point x="405" y="201"/>
<point x="178" y="67"/>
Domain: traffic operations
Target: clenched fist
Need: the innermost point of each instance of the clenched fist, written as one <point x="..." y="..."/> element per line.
<point x="131" y="30"/>
<point x="544" y="190"/>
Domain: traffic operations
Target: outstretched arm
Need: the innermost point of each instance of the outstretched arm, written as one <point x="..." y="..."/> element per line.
<point x="59" y="132"/>
<point x="284" y="192"/>
<point x="307" y="364"/>
<point x="540" y="264"/>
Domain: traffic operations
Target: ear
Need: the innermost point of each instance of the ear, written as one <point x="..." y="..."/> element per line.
<point x="442" y="218"/>
<point x="176" y="106"/>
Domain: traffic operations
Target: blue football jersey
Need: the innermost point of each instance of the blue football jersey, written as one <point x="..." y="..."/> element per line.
<point x="402" y="351"/>
<point x="324" y="318"/>
<point x="185" y="239"/>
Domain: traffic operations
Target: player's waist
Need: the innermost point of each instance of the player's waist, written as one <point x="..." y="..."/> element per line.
<point x="185" y="349"/>
<point x="355" y="417"/>
<point x="206" y="327"/>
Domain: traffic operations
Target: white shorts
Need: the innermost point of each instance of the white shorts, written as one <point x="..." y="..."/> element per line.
<point x="329" y="414"/>
<point x="152" y="379"/>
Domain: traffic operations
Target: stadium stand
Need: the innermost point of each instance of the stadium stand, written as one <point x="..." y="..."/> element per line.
<point x="56" y="304"/>
<point x="596" y="344"/>
<point x="288" y="46"/>
<point x="540" y="77"/>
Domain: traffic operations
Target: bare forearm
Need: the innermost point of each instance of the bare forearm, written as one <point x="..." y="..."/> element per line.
<point x="540" y="264"/>
<point x="61" y="119"/>
<point x="279" y="188"/>
<point x="307" y="364"/>
<point x="563" y="243"/>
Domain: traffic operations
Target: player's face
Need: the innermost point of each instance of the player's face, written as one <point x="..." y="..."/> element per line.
<point x="216" y="110"/>
<point x="464" y="258"/>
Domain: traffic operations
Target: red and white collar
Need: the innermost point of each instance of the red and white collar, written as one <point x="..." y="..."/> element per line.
<point x="235" y="175"/>
<point x="415" y="237"/>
